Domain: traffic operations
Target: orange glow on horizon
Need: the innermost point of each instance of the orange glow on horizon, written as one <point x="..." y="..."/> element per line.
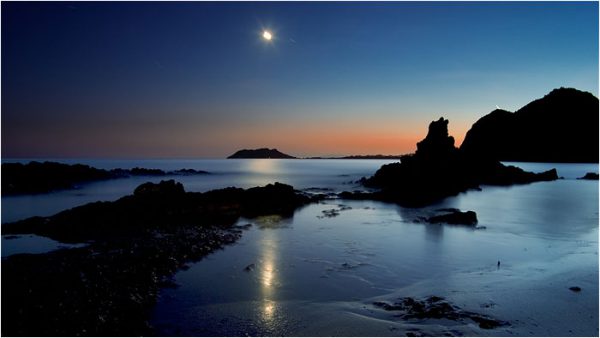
<point x="219" y="139"/>
<point x="308" y="140"/>
<point x="340" y="138"/>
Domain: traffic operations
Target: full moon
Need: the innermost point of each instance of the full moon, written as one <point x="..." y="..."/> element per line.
<point x="267" y="35"/>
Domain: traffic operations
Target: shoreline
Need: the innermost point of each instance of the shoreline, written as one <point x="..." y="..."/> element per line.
<point x="106" y="252"/>
<point x="514" y="293"/>
<point x="135" y="245"/>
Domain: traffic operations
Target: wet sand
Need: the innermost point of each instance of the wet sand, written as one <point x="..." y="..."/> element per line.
<point x="320" y="276"/>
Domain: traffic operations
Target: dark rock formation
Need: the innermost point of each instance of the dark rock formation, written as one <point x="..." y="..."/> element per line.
<point x="135" y="245"/>
<point x="589" y="176"/>
<point x="189" y="172"/>
<point x="455" y="217"/>
<point x="560" y="127"/>
<point x="438" y="170"/>
<point x="163" y="189"/>
<point x="146" y="172"/>
<point x="434" y="307"/>
<point x="259" y="153"/>
<point x="36" y="177"/>
<point x="156" y="205"/>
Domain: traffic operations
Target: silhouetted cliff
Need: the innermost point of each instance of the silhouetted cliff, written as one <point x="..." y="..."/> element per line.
<point x="260" y="153"/>
<point x="437" y="170"/>
<point x="560" y="127"/>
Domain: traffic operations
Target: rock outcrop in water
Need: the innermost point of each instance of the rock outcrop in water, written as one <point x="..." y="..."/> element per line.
<point x="437" y="170"/>
<point x="260" y="153"/>
<point x="560" y="127"/>
<point x="37" y="177"/>
<point x="455" y="217"/>
<point x="434" y="307"/>
<point x="135" y="245"/>
<point x="590" y="176"/>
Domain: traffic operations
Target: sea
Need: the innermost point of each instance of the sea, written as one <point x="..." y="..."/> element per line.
<point x="319" y="273"/>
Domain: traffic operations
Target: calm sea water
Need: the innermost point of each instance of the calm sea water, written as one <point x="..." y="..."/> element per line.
<point x="302" y="174"/>
<point x="316" y="275"/>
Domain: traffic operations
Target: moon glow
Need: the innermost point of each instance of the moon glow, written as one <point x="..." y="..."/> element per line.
<point x="267" y="35"/>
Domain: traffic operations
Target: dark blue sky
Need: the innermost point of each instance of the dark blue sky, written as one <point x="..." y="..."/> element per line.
<point x="195" y="79"/>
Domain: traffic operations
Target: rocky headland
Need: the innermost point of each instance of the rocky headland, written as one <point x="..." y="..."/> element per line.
<point x="134" y="246"/>
<point x="560" y="127"/>
<point x="260" y="153"/>
<point x="437" y="170"/>
<point x="42" y="177"/>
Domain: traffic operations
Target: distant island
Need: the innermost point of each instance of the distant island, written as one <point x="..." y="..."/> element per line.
<point x="260" y="153"/>
<point x="560" y="127"/>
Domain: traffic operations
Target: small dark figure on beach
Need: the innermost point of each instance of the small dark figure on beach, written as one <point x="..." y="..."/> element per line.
<point x="498" y="264"/>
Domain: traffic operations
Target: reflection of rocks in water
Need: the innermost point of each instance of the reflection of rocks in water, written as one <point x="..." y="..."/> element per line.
<point x="434" y="307"/>
<point x="329" y="213"/>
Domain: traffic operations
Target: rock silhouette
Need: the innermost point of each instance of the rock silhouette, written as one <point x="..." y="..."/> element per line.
<point x="560" y="127"/>
<point x="455" y="217"/>
<point x="156" y="205"/>
<point x="434" y="307"/>
<point x="437" y="170"/>
<point x="260" y="153"/>
<point x="589" y="176"/>
<point x="42" y="177"/>
<point x="37" y="177"/>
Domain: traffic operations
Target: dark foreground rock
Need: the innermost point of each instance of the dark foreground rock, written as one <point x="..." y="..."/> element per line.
<point x="135" y="245"/>
<point x="455" y="217"/>
<point x="437" y="170"/>
<point x="42" y="177"/>
<point x="589" y="176"/>
<point x="434" y="307"/>
<point x="37" y="177"/>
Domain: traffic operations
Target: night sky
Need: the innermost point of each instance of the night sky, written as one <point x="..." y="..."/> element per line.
<point x="196" y="79"/>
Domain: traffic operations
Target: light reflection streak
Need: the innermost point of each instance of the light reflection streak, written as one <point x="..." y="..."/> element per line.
<point x="268" y="275"/>
<point x="263" y="166"/>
